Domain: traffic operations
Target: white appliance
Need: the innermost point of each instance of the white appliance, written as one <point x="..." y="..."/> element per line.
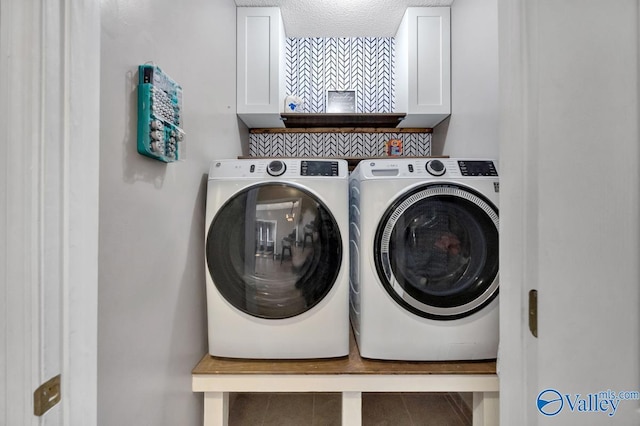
<point x="277" y="258"/>
<point x="424" y="259"/>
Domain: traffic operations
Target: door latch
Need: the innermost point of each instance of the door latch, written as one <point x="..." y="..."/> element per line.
<point x="533" y="312"/>
<point x="46" y="396"/>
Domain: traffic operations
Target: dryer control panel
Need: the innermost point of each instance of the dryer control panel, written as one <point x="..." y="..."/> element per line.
<point x="441" y="168"/>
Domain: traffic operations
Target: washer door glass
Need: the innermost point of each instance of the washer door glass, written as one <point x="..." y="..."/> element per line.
<point x="274" y="251"/>
<point x="436" y="251"/>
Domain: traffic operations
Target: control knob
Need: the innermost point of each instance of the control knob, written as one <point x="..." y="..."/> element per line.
<point x="276" y="168"/>
<point x="435" y="168"/>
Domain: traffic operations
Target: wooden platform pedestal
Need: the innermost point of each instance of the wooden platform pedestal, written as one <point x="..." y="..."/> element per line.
<point x="351" y="376"/>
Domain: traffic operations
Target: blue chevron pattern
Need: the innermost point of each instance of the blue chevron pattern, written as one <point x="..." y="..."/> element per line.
<point x="364" y="64"/>
<point x="277" y="145"/>
<point x="253" y="147"/>
<point x="383" y="76"/>
<point x="378" y="147"/>
<point x="410" y="145"/>
<point x="291" y="65"/>
<point x="290" y="145"/>
<point x="343" y="54"/>
<point x="305" y="67"/>
<point x="370" y="73"/>
<point x="357" y="145"/>
<point x="318" y="88"/>
<point x="331" y="64"/>
<point x="357" y="71"/>
<point x="262" y="146"/>
<point x="335" y="144"/>
<point x="424" y="143"/>
<point x="315" y="144"/>
<point x="300" y="148"/>
<point x="392" y="77"/>
<point x="315" y="65"/>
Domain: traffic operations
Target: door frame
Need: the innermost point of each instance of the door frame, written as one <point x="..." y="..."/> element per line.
<point x="518" y="155"/>
<point x="49" y="63"/>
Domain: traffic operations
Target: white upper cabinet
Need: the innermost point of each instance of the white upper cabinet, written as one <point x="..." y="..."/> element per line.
<point x="261" y="71"/>
<point x="422" y="70"/>
<point x="423" y="66"/>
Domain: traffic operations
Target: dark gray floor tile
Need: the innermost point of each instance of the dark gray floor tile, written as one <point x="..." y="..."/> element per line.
<point x="248" y="409"/>
<point x="327" y="409"/>
<point x="431" y="409"/>
<point x="461" y="406"/>
<point x="384" y="409"/>
<point x="289" y="409"/>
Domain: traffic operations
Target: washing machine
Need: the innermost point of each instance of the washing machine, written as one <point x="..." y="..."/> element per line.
<point x="276" y="247"/>
<point x="424" y="258"/>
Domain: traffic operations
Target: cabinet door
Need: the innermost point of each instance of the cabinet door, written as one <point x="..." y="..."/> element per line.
<point x="423" y="64"/>
<point x="260" y="56"/>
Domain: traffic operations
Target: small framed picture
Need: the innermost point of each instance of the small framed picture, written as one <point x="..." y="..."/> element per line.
<point x="393" y="147"/>
<point x="341" y="101"/>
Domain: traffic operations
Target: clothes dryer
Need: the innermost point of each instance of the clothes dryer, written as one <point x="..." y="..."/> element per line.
<point x="277" y="258"/>
<point x="424" y="258"/>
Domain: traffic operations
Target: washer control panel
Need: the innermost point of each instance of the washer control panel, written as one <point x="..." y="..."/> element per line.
<point x="319" y="168"/>
<point x="477" y="168"/>
<point x="435" y="168"/>
<point x="276" y="168"/>
<point x="442" y="168"/>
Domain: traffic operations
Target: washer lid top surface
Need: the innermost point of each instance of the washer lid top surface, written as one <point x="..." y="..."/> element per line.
<point x="273" y="250"/>
<point x="436" y="251"/>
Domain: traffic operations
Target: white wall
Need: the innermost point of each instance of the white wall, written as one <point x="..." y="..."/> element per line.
<point x="472" y="128"/>
<point x="152" y="318"/>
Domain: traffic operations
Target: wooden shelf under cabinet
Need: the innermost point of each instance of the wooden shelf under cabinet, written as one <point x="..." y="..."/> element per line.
<point x="328" y="120"/>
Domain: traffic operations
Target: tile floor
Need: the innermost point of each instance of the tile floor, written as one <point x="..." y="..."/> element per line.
<point x="323" y="409"/>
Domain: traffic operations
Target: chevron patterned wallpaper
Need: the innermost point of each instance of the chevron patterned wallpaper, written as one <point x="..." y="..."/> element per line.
<point x="363" y="64"/>
<point x="335" y="144"/>
<point x="315" y="65"/>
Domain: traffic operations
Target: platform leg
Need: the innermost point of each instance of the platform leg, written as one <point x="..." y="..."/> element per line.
<point x="352" y="408"/>
<point x="216" y="408"/>
<point x="486" y="409"/>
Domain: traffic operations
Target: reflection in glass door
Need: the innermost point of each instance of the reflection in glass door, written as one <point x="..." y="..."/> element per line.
<point x="266" y="230"/>
<point x="274" y="250"/>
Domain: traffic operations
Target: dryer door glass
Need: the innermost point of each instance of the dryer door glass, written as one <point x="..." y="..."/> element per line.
<point x="436" y="251"/>
<point x="274" y="251"/>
